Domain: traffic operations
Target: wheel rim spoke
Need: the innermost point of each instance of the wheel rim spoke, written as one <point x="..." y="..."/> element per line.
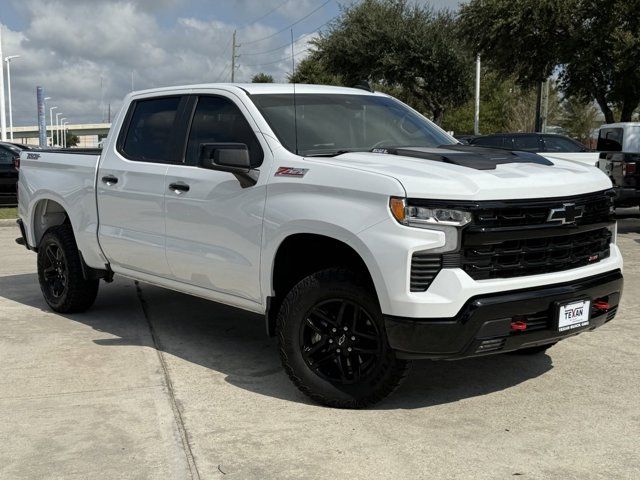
<point x="55" y="270"/>
<point x="341" y="342"/>
<point x="324" y="317"/>
<point x="51" y="256"/>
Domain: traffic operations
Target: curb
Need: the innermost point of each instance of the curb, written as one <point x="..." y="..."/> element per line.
<point x="10" y="222"/>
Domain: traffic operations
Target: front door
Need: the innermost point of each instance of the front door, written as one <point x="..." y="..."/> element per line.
<point x="213" y="221"/>
<point x="131" y="186"/>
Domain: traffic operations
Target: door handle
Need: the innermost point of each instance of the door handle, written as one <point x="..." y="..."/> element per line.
<point x="109" y="180"/>
<point x="179" y="188"/>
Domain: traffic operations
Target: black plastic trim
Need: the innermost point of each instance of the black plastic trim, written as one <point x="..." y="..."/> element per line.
<point x="485" y="317"/>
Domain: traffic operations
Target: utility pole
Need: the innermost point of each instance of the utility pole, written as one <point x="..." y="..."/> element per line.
<point x="476" y="115"/>
<point x="545" y="106"/>
<point x="233" y="57"/>
<point x="538" y="122"/>
<point x="3" y="119"/>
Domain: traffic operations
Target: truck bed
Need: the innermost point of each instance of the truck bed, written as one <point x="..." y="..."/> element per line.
<point x="66" y="177"/>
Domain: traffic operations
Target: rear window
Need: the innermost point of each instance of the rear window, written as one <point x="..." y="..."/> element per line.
<point x="562" y="144"/>
<point x="149" y="134"/>
<point x="610" y="139"/>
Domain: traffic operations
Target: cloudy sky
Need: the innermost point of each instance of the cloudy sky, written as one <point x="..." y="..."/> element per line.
<point x="72" y="47"/>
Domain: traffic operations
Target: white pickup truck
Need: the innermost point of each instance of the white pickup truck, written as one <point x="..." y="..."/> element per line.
<point x="364" y="233"/>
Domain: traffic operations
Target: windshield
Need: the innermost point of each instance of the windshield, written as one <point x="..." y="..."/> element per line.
<point x="330" y="124"/>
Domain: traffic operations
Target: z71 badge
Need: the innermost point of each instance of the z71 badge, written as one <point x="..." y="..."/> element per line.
<point x="291" y="172"/>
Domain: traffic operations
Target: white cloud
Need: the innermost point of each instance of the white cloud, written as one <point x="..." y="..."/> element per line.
<point x="70" y="46"/>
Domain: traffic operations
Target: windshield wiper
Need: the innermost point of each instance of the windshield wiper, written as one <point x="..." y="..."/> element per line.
<point x="335" y="153"/>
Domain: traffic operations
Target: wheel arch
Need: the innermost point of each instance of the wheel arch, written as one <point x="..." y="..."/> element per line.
<point x="46" y="213"/>
<point x="300" y="253"/>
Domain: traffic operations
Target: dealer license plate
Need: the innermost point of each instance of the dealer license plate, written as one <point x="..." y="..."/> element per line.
<point x="573" y="315"/>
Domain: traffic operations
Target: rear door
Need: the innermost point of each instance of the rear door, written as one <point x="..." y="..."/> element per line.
<point x="214" y="221"/>
<point x="131" y="186"/>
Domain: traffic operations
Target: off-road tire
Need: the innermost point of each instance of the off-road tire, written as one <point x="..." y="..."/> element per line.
<point x="327" y="286"/>
<point x="77" y="294"/>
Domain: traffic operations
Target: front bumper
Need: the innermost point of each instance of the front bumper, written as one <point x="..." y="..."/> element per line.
<point x="483" y="325"/>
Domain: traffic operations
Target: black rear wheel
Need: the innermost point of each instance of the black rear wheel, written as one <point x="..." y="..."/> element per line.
<point x="60" y="272"/>
<point x="333" y="344"/>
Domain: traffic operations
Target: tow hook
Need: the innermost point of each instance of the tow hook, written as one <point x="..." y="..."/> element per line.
<point x="601" y="305"/>
<point x="518" y="325"/>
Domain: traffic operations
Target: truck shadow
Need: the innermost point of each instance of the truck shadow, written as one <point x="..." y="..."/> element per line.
<point x="233" y="343"/>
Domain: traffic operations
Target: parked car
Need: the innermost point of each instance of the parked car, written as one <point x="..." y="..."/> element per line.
<point x="619" y="144"/>
<point x="364" y="234"/>
<point x="551" y="146"/>
<point x="9" y="158"/>
<point x="529" y="142"/>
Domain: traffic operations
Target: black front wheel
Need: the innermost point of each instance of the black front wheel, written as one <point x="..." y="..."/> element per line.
<point x="60" y="272"/>
<point x="333" y="344"/>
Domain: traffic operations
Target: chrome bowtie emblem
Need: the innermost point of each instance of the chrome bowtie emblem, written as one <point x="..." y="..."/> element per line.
<point x="568" y="213"/>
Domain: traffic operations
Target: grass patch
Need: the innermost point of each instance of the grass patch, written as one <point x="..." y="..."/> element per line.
<point x="8" y="212"/>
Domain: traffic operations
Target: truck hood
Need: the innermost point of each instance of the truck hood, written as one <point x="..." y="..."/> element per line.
<point x="528" y="176"/>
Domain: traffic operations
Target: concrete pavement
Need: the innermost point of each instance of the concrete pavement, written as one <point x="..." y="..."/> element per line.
<point x="152" y="384"/>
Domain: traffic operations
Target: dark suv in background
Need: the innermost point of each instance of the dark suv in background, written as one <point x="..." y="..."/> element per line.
<point x="9" y="158"/>
<point x="529" y="142"/>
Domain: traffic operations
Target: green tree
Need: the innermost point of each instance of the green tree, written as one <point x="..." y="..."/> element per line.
<point x="313" y="70"/>
<point x="593" y="45"/>
<point x="72" y="140"/>
<point x="262" y="78"/>
<point x="579" y="119"/>
<point x="396" y="45"/>
<point x="495" y="107"/>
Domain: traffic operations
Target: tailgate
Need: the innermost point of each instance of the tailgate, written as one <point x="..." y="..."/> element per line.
<point x="621" y="168"/>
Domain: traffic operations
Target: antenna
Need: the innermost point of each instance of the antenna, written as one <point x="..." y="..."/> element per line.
<point x="295" y="107"/>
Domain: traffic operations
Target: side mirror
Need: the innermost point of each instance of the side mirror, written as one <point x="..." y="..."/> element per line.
<point x="230" y="157"/>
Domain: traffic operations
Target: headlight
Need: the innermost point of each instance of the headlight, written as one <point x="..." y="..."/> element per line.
<point x="426" y="217"/>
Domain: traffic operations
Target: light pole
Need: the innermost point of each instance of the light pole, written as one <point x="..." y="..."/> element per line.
<point x="62" y="139"/>
<point x="45" y="115"/>
<point x="8" y="61"/>
<point x="51" y="122"/>
<point x="64" y="135"/>
<point x="58" y="128"/>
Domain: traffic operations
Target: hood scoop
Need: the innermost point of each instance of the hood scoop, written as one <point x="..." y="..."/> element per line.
<point x="479" y="158"/>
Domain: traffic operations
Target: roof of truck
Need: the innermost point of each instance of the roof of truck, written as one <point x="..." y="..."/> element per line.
<point x="257" y="88"/>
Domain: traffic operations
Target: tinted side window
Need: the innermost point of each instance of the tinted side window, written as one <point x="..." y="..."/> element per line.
<point x="560" y="144"/>
<point x="150" y="130"/>
<point x="610" y="140"/>
<point x="528" y="143"/>
<point x="497" y="142"/>
<point x="219" y="120"/>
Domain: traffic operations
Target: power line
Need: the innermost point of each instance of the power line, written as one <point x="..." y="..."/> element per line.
<point x="287" y="57"/>
<point x="288" y="43"/>
<point x="267" y="14"/>
<point x="288" y="26"/>
<point x="221" y="73"/>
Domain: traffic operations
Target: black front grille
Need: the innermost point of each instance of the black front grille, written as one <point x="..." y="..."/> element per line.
<point x="424" y="268"/>
<point x="532" y="256"/>
<point x="513" y="238"/>
<point x="592" y="209"/>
